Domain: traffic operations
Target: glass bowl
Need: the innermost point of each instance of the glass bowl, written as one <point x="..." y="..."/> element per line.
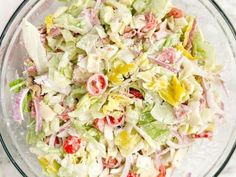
<point x="205" y="158"/>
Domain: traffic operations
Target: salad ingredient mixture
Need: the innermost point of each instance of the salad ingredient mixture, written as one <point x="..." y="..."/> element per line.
<point x="116" y="88"/>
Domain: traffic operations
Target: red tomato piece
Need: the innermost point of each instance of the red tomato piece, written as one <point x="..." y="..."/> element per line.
<point x="99" y="124"/>
<point x="133" y="174"/>
<point x="110" y="162"/>
<point x="114" y="122"/>
<point x="72" y="144"/>
<point x="176" y="13"/>
<point x="206" y="134"/>
<point x="162" y="171"/>
<point x="97" y="84"/>
<point x="136" y="93"/>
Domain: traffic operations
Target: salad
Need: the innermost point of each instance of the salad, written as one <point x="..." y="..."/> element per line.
<point x="116" y="88"/>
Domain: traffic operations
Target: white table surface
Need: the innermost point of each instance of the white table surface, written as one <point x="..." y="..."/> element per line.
<point x="7" y="7"/>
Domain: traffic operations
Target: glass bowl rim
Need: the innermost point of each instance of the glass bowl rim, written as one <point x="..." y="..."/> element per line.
<point x="10" y="21"/>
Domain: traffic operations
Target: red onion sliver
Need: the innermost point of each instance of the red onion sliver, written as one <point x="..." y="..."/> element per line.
<point x="165" y="65"/>
<point x="39" y="120"/>
<point x="18" y="106"/>
<point x="224" y="87"/>
<point x="63" y="129"/>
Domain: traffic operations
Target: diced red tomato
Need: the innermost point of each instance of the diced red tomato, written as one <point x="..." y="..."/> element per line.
<point x="136" y="93"/>
<point x="110" y="162"/>
<point x="99" y="124"/>
<point x="206" y="134"/>
<point x="176" y="13"/>
<point x="71" y="144"/>
<point x="151" y="22"/>
<point x="97" y="84"/>
<point x="114" y="122"/>
<point x="162" y="171"/>
<point x="133" y="174"/>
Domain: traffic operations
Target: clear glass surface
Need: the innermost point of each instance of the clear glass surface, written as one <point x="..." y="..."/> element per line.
<point x="205" y="158"/>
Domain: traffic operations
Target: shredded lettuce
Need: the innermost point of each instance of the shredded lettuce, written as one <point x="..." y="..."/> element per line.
<point x="201" y="48"/>
<point x="34" y="47"/>
<point x="17" y="85"/>
<point x="157" y="131"/>
<point x="121" y="83"/>
<point x="159" y="8"/>
<point x="32" y="137"/>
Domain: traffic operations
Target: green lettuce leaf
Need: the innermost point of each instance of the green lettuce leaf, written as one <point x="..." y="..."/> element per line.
<point x="158" y="7"/>
<point x="156" y="130"/>
<point x="139" y="5"/>
<point x="172" y="40"/>
<point x="32" y="137"/>
<point x="17" y="85"/>
<point x="146" y="117"/>
<point x="26" y="103"/>
<point x="201" y="48"/>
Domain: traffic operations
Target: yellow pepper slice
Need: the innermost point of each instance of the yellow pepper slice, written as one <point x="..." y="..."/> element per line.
<point x="172" y="91"/>
<point x="48" y="22"/>
<point x="49" y="167"/>
<point x="116" y="76"/>
<point x="186" y="53"/>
